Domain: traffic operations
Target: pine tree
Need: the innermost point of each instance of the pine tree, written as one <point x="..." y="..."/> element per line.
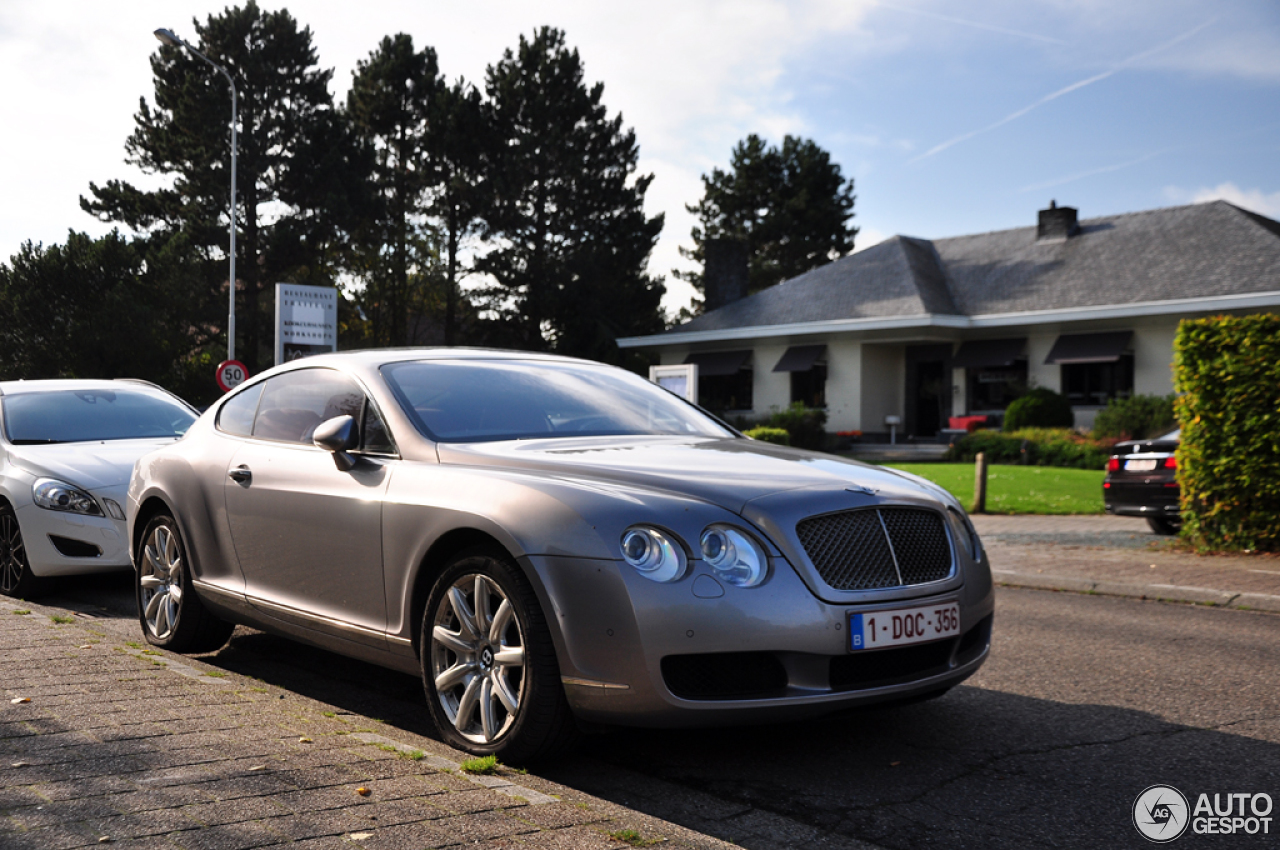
<point x="283" y="101"/>
<point x="390" y="98"/>
<point x="461" y="146"/>
<point x="790" y="205"/>
<point x="566" y="216"/>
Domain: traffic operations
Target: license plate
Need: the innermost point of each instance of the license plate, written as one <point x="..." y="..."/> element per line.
<point x="879" y="629"/>
<point x="1139" y="465"/>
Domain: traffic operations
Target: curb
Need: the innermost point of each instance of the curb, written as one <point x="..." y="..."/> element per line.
<point x="1157" y="592"/>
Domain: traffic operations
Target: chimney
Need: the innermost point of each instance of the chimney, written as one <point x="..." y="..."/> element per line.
<point x="724" y="273"/>
<point x="1056" y="224"/>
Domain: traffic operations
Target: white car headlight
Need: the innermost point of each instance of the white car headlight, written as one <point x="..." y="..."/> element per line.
<point x="735" y="557"/>
<point x="966" y="536"/>
<point x="57" y="495"/>
<point x="653" y="553"/>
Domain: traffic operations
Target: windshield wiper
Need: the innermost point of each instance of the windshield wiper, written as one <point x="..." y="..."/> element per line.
<point x="35" y="442"/>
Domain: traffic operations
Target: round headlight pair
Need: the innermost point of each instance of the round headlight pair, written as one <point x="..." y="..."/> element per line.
<point x="654" y="555"/>
<point x="736" y="558"/>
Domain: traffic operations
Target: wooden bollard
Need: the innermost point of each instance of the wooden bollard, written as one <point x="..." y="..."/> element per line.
<point x="980" y="484"/>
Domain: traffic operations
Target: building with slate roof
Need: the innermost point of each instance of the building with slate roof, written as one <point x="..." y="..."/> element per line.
<point x="926" y="330"/>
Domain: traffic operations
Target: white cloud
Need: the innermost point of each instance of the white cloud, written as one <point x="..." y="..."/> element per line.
<point x="1254" y="200"/>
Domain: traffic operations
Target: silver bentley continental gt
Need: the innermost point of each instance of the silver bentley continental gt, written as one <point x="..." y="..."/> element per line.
<point x="548" y="540"/>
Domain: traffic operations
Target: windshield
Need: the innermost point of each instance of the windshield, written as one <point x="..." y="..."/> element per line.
<point x="74" y="416"/>
<point x="472" y="401"/>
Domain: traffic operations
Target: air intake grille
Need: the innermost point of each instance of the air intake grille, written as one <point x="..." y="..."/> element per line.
<point x="877" y="547"/>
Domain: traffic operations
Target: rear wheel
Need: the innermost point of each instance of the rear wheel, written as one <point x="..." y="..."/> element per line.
<point x="488" y="666"/>
<point x="16" y="578"/>
<point x="1162" y="526"/>
<point x="171" y="614"/>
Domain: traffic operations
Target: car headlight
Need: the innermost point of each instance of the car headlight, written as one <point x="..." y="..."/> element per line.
<point x="965" y="534"/>
<point x="60" y="496"/>
<point x="736" y="558"/>
<point x="653" y="553"/>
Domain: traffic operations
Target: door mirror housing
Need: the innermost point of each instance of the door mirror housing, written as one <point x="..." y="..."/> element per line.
<point x="338" y="435"/>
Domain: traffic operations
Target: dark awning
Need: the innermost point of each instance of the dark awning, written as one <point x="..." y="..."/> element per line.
<point x="718" y="362"/>
<point x="988" y="353"/>
<point x="800" y="358"/>
<point x="1089" y="348"/>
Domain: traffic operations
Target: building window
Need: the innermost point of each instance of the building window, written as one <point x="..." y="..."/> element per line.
<point x="810" y="386"/>
<point x="1094" y="384"/>
<point x="991" y="388"/>
<point x="721" y="393"/>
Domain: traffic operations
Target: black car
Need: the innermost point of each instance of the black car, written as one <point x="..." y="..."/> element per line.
<point x="1142" y="480"/>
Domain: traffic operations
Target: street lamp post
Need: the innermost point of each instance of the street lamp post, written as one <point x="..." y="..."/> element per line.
<point x="169" y="38"/>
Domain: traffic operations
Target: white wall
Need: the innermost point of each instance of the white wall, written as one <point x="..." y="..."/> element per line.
<point x="959" y="392"/>
<point x="1153" y="358"/>
<point x="884" y="375"/>
<point x="1040" y="374"/>
<point x="771" y="390"/>
<point x="844" y="385"/>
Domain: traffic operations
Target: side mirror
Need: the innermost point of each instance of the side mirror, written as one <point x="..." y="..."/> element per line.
<point x="338" y="435"/>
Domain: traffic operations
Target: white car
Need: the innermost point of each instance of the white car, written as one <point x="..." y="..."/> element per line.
<point x="67" y="449"/>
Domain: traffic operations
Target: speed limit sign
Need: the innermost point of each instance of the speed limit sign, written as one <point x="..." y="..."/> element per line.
<point x="231" y="374"/>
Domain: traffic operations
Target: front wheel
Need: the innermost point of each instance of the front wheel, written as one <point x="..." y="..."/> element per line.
<point x="488" y="666"/>
<point x="171" y="614"/>
<point x="16" y="578"/>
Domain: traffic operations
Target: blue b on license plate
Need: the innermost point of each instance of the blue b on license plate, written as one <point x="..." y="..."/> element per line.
<point x="903" y="626"/>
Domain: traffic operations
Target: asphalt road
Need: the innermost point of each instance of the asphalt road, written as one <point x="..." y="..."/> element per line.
<point x="1086" y="701"/>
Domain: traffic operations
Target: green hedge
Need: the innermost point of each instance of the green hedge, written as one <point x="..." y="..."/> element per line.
<point x="770" y="435"/>
<point x="807" y="426"/>
<point x="1140" y="417"/>
<point x="1044" y="447"/>
<point x="1039" y="408"/>
<point x="1227" y="370"/>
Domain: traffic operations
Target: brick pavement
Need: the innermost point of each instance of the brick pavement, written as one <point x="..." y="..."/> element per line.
<point x="105" y="741"/>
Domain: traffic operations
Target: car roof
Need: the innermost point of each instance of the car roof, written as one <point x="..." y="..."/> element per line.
<point x="72" y="384"/>
<point x="376" y="356"/>
<point x="371" y="359"/>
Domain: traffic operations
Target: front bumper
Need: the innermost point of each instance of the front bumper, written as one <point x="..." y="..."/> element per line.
<point x="628" y="646"/>
<point x="60" y="543"/>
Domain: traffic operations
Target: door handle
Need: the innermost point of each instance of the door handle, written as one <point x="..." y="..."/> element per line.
<point x="240" y="475"/>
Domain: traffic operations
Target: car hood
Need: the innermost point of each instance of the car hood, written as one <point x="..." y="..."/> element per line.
<point x="90" y="465"/>
<point x="727" y="472"/>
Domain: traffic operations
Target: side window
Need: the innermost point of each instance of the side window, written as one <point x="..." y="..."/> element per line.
<point x="294" y="403"/>
<point x="236" y="416"/>
<point x="373" y="433"/>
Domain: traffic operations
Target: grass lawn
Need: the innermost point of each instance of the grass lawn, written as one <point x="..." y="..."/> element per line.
<point x="1019" y="489"/>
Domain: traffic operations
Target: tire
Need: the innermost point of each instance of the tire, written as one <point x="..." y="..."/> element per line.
<point x="16" y="578"/>
<point x="1162" y="526"/>
<point x="171" y="614"/>
<point x="489" y="669"/>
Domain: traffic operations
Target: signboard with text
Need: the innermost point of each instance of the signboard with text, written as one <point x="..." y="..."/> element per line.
<point x="306" y="321"/>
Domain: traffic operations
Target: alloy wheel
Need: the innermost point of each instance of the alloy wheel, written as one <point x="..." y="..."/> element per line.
<point x="478" y="658"/>
<point x="13" y="554"/>
<point x="161" y="582"/>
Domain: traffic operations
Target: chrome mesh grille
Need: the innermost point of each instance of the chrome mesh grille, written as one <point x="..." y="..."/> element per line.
<point x="874" y="548"/>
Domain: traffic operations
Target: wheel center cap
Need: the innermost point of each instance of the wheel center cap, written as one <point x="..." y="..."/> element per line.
<point x="486" y="658"/>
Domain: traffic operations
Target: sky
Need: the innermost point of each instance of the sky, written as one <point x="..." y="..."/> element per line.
<point x="952" y="118"/>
